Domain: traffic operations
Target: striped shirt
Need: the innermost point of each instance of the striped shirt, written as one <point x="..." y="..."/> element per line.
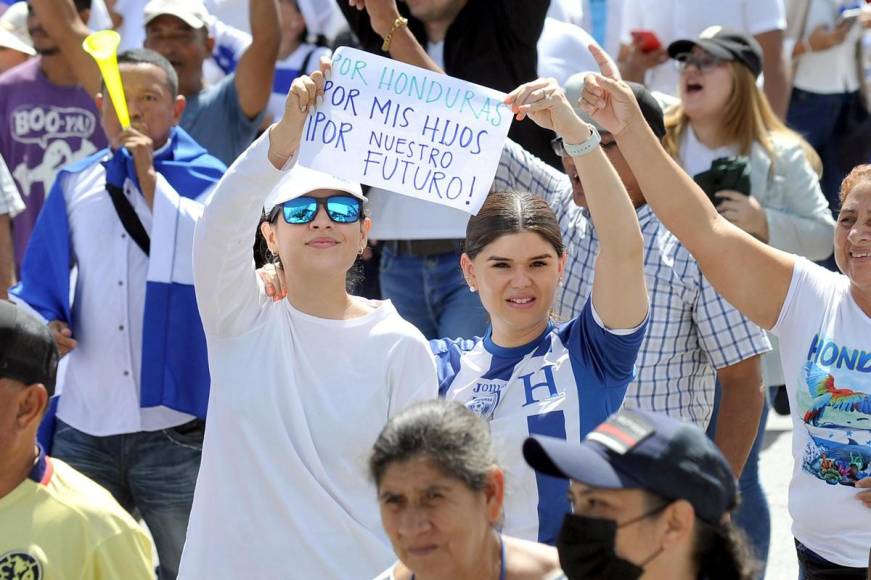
<point x="562" y="384"/>
<point x="692" y="330"/>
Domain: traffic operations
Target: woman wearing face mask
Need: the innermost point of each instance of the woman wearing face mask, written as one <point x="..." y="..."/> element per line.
<point x="529" y="375"/>
<point x="651" y="497"/>
<point x="441" y="492"/>
<point x="300" y="387"/>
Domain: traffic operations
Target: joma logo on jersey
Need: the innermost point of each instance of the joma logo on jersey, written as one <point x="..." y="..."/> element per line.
<point x="485" y="400"/>
<point x="545" y="379"/>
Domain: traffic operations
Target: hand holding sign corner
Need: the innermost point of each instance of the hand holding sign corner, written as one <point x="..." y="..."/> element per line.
<point x="544" y="101"/>
<point x="407" y="130"/>
<point x="303" y="96"/>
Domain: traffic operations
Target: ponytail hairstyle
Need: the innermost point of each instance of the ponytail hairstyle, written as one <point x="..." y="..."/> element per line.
<point x="721" y="552"/>
<point x="512" y="213"/>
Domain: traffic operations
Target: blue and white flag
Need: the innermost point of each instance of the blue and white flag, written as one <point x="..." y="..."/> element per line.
<point x="174" y="363"/>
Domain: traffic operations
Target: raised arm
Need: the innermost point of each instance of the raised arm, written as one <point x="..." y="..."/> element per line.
<point x="373" y="26"/>
<point x="257" y="65"/>
<point x="751" y="275"/>
<point x="61" y="21"/>
<point x="619" y="291"/>
<point x="228" y="295"/>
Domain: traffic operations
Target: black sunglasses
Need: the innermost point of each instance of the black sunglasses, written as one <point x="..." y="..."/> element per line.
<point x="341" y="209"/>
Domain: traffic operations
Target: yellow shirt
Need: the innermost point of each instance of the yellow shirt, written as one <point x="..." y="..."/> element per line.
<point x="59" y="525"/>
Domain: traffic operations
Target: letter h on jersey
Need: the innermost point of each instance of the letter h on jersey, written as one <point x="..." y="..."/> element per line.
<point x="529" y="388"/>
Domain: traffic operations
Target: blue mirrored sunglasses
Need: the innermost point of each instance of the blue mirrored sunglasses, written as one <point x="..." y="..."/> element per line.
<point x="341" y="209"/>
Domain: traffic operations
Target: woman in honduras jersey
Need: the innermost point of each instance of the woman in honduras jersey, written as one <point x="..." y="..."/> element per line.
<point x="530" y="375"/>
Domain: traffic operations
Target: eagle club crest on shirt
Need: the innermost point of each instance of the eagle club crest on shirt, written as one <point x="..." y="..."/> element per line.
<point x="485" y="398"/>
<point x="18" y="565"/>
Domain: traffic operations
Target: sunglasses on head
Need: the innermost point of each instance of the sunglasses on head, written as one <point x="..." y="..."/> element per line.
<point x="341" y="209"/>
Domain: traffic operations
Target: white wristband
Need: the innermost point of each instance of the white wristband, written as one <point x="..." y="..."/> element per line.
<point x="583" y="148"/>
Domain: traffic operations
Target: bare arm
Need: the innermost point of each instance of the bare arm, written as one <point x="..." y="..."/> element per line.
<point x="751" y="275"/>
<point x="404" y="47"/>
<point x="7" y="256"/>
<point x="774" y="68"/>
<point x="257" y="65"/>
<point x="228" y="296"/>
<point x="61" y="21"/>
<point x="740" y="410"/>
<point x="619" y="290"/>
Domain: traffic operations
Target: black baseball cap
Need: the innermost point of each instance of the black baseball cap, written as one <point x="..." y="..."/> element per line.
<point x="640" y="450"/>
<point x="27" y="350"/>
<point x="724" y="44"/>
<point x="650" y="108"/>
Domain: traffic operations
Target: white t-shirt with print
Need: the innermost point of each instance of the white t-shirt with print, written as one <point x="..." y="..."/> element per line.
<point x="673" y="20"/>
<point x="825" y="341"/>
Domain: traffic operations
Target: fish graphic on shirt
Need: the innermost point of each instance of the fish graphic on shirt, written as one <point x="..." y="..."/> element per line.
<point x="838" y="420"/>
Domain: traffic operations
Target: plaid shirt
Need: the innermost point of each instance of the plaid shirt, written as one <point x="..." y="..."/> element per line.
<point x="692" y="330"/>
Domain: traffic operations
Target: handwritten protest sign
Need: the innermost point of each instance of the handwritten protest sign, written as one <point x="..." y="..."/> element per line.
<point x="406" y="129"/>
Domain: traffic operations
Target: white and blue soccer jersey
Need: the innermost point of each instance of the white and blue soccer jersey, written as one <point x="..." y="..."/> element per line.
<point x="563" y="384"/>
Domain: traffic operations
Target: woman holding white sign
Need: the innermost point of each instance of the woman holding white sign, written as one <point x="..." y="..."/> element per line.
<point x="529" y="375"/>
<point x="300" y="388"/>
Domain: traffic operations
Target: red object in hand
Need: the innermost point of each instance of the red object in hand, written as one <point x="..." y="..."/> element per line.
<point x="646" y="40"/>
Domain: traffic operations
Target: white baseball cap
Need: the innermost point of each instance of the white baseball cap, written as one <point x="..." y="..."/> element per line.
<point x="301" y="180"/>
<point x="191" y="12"/>
<point x="13" y="29"/>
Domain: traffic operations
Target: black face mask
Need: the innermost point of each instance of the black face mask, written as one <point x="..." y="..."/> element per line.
<point x="586" y="549"/>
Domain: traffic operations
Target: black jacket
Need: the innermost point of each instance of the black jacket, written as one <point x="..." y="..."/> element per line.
<point x="491" y="43"/>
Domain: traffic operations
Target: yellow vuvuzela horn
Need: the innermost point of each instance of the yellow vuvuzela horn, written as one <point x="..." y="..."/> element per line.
<point x="103" y="46"/>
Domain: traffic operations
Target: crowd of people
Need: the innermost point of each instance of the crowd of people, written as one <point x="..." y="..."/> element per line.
<point x="280" y="373"/>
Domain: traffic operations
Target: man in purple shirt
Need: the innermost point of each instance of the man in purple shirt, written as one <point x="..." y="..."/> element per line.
<point x="46" y="121"/>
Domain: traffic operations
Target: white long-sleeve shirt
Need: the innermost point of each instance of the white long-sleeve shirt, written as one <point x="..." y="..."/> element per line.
<point x="295" y="406"/>
<point x="101" y="388"/>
